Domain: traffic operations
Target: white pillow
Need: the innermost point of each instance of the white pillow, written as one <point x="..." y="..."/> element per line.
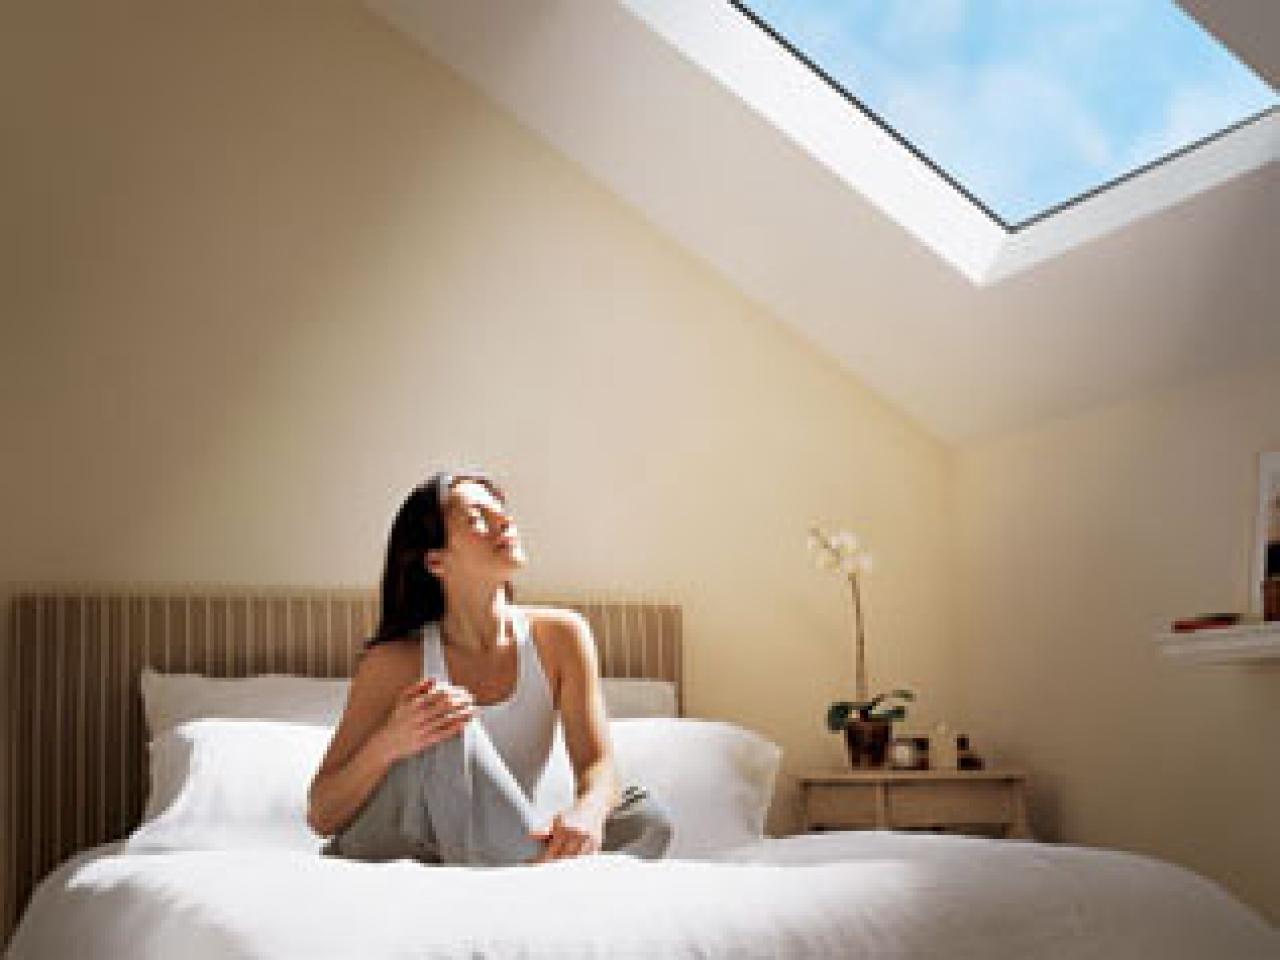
<point x="715" y="778"/>
<point x="169" y="699"/>
<point x="237" y="784"/>
<point x="172" y="699"/>
<point x="229" y="784"/>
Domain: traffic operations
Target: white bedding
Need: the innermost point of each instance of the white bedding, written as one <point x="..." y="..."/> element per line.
<point x="881" y="894"/>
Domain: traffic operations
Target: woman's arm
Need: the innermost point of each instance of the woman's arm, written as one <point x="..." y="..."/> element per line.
<point x="586" y="734"/>
<point x="586" y="723"/>
<point x="356" y="761"/>
<point x="384" y="721"/>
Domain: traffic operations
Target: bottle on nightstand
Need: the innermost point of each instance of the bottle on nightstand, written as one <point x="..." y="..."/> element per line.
<point x="943" y="752"/>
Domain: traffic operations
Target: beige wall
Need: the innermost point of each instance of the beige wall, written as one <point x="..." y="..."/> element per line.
<point x="1079" y="540"/>
<point x="272" y="265"/>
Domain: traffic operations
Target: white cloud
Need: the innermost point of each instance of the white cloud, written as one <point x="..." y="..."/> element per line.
<point x="1193" y="111"/>
<point x="1003" y="130"/>
<point x="921" y="23"/>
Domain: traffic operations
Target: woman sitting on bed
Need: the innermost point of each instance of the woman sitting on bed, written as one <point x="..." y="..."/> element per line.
<point x="409" y="771"/>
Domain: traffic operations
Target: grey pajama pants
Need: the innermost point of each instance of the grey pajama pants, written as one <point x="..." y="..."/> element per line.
<point x="458" y="803"/>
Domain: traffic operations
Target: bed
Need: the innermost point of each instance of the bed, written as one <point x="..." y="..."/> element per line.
<point x="79" y="777"/>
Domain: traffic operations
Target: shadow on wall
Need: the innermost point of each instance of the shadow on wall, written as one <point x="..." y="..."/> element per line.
<point x="1044" y="809"/>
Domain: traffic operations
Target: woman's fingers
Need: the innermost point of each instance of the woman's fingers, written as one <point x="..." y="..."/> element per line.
<point x="550" y="837"/>
<point x="418" y="689"/>
<point x="549" y="852"/>
<point x="431" y="711"/>
<point x="428" y="712"/>
<point x="447" y="695"/>
<point x="562" y="843"/>
<point x="571" y="846"/>
<point x="442" y="701"/>
<point x="460" y="715"/>
<point x="443" y="711"/>
<point x="433" y="731"/>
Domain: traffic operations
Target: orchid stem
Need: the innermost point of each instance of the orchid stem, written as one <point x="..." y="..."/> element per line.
<point x="860" y="666"/>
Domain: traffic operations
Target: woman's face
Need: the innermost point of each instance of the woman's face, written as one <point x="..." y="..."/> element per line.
<point x="482" y="536"/>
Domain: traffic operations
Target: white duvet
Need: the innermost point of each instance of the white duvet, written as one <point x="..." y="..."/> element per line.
<point x="873" y="894"/>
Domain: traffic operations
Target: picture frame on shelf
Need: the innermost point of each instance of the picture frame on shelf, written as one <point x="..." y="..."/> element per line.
<point x="1266" y="554"/>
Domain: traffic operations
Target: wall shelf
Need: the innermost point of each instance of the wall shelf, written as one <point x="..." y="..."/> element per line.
<point x="1243" y="643"/>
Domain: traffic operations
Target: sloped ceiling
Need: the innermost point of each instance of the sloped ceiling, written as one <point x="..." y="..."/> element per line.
<point x="1187" y="292"/>
<point x="1250" y="28"/>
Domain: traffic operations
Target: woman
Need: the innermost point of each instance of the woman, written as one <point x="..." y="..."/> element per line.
<point x="452" y="709"/>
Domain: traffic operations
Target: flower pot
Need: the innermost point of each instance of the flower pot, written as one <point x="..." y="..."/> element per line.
<point x="867" y="740"/>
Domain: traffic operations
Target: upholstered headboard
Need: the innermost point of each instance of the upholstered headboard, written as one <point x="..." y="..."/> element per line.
<point x="74" y="736"/>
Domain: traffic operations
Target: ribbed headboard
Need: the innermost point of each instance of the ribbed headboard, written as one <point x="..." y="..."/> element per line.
<point x="75" y="740"/>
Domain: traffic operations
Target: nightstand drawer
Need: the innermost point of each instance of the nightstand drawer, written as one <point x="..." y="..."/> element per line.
<point x="883" y="799"/>
<point x="835" y="807"/>
<point x="931" y="804"/>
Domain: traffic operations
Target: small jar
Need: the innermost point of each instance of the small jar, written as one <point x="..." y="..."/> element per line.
<point x="903" y="754"/>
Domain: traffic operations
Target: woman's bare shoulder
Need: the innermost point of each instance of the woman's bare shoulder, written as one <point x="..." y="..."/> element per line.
<point x="561" y="617"/>
<point x="563" y="628"/>
<point x="390" y="661"/>
<point x="556" y="631"/>
<point x="566" y="632"/>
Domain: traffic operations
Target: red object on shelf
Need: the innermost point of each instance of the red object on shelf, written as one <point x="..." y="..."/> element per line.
<point x="1206" y="621"/>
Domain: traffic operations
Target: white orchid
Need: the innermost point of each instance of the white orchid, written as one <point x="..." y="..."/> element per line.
<point x="845" y="543"/>
<point x="843" y="552"/>
<point x="840" y="551"/>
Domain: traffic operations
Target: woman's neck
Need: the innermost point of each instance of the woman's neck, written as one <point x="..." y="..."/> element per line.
<point x="475" y="621"/>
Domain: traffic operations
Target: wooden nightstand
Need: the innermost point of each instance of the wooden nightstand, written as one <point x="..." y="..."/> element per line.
<point x="889" y="799"/>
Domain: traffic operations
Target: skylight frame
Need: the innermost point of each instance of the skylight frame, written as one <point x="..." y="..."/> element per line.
<point x="1010" y="228"/>
<point x="877" y="167"/>
<point x="1258" y="117"/>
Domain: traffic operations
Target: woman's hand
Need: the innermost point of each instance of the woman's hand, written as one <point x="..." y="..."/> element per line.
<point x="575" y="832"/>
<point x="424" y="713"/>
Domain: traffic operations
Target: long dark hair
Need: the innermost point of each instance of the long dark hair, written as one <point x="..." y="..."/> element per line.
<point x="412" y="596"/>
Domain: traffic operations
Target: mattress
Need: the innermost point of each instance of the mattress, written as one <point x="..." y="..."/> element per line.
<point x="881" y="894"/>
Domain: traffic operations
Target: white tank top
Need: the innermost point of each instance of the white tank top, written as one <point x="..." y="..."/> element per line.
<point x="522" y="727"/>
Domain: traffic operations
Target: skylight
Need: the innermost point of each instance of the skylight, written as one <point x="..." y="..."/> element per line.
<point x="1025" y="107"/>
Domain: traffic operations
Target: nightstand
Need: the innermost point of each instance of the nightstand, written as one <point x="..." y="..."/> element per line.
<point x="887" y="799"/>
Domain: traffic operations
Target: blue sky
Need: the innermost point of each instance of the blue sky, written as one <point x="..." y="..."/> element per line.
<point x="1027" y="103"/>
